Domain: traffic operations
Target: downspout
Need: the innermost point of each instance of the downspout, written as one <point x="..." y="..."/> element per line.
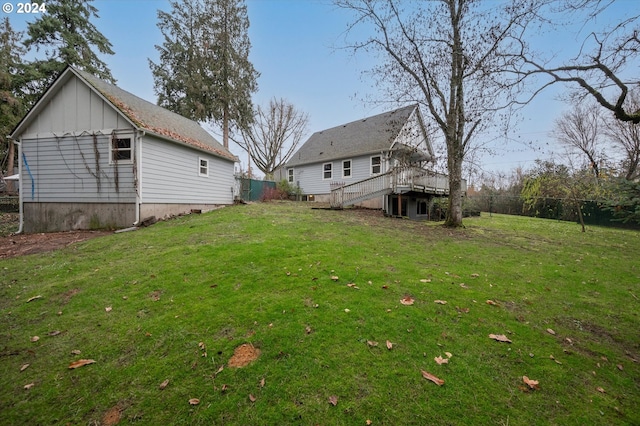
<point x="138" y="160"/>
<point x="19" y="145"/>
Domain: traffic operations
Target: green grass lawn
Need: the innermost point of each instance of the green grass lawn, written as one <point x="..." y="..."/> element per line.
<point x="183" y="294"/>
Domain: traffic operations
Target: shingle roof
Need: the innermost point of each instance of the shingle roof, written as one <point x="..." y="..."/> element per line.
<point x="361" y="137"/>
<point x="155" y="119"/>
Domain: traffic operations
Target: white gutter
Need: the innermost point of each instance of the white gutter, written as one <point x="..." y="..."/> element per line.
<point x="21" y="209"/>
<point x="139" y="136"/>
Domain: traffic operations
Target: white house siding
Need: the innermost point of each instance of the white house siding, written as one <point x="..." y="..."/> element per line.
<point x="412" y="134"/>
<point x="76" y="107"/>
<point x="309" y="176"/>
<point x="74" y="169"/>
<point x="170" y="175"/>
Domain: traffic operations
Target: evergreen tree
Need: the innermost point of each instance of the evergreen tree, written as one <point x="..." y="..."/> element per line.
<point x="204" y="71"/>
<point x="12" y="107"/>
<point x="67" y="37"/>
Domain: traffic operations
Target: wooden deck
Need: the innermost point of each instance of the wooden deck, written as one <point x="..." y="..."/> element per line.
<point x="399" y="180"/>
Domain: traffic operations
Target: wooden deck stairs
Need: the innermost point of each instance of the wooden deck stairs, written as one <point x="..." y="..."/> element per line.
<point x="399" y="180"/>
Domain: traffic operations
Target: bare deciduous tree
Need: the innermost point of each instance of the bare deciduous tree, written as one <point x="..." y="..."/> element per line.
<point x="448" y="56"/>
<point x="626" y="136"/>
<point x="274" y="135"/>
<point x="579" y="129"/>
<point x="604" y="68"/>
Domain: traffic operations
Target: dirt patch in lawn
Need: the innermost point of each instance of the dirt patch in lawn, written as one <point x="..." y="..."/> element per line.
<point x="23" y="244"/>
<point x="112" y="416"/>
<point x="244" y="355"/>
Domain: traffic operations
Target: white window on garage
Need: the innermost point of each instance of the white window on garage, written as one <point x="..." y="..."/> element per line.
<point x="204" y="167"/>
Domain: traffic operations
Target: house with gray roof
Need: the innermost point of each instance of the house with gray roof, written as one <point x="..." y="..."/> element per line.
<point x="95" y="156"/>
<point x="377" y="162"/>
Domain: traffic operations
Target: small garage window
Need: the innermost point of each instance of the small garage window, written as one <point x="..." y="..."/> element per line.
<point x="204" y="167"/>
<point x="121" y="150"/>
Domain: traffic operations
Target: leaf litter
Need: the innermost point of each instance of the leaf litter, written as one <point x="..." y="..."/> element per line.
<point x="500" y="338"/>
<point x="432" y="378"/>
<point x="80" y="363"/>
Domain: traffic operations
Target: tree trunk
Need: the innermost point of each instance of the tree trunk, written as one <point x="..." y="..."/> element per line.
<point x="225" y="128"/>
<point x="454" y="212"/>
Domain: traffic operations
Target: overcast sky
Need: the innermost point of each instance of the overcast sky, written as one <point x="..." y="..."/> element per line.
<point x="294" y="49"/>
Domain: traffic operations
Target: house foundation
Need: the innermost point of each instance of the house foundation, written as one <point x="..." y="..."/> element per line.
<point x="57" y="217"/>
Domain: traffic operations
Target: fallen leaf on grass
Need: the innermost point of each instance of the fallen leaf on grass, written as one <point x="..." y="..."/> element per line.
<point x="407" y="300"/>
<point x="75" y="352"/>
<point x="29" y="386"/>
<point x="550" y="331"/>
<point x="475" y="275"/>
<point x="54" y="333"/>
<point x="441" y="360"/>
<point x="35" y="338"/>
<point x="31" y="299"/>
<point x="194" y="401"/>
<point x="262" y="382"/>
<point x="334" y="277"/>
<point x="389" y="345"/>
<point x="500" y="338"/>
<point x="440" y="302"/>
<point x="368" y="422"/>
<point x="352" y="285"/>
<point x="425" y="280"/>
<point x="553" y="358"/>
<point x="601" y="390"/>
<point x="432" y="378"/>
<point x="108" y="309"/>
<point x="448" y="354"/>
<point x="80" y="363"/>
<point x="463" y="285"/>
<point x="491" y="302"/>
<point x="24" y="367"/>
<point x="533" y="384"/>
<point x="252" y="398"/>
<point x="164" y="384"/>
<point x="620" y="367"/>
<point x="371" y="343"/>
<point x="333" y="400"/>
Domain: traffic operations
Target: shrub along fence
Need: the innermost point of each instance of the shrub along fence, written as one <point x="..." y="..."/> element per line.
<point x="593" y="212"/>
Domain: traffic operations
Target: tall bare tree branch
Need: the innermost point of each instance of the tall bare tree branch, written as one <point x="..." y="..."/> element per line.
<point x="274" y="135"/>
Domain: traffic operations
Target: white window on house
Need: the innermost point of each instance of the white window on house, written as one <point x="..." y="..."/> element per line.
<point x="327" y="171"/>
<point x="290" y="175"/>
<point x="376" y="165"/>
<point x="346" y="169"/>
<point x="203" y="167"/>
<point x="121" y="150"/>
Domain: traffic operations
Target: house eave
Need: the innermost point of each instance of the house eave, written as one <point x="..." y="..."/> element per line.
<point x="191" y="146"/>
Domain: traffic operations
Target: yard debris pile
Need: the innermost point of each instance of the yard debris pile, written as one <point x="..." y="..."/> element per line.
<point x="244" y="355"/>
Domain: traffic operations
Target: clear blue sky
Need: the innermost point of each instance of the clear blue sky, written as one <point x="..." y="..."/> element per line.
<point x="293" y="48"/>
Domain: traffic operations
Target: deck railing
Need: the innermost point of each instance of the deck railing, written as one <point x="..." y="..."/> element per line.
<point x="343" y="195"/>
<point x="396" y="180"/>
<point x="415" y="178"/>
